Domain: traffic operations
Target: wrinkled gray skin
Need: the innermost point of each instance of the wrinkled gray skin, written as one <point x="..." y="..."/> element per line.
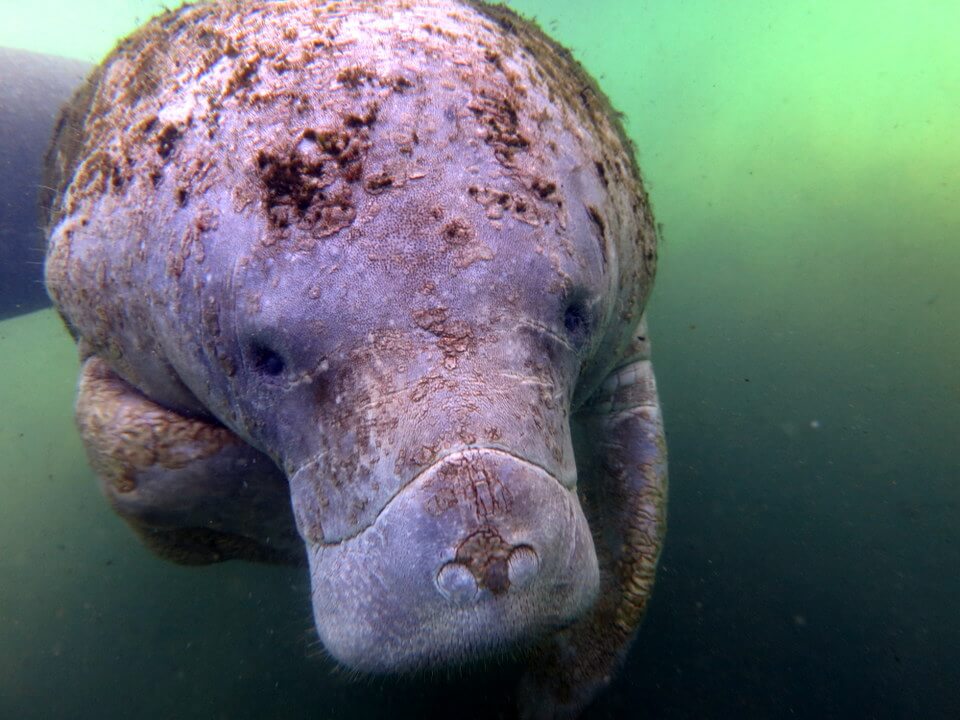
<point x="383" y="264"/>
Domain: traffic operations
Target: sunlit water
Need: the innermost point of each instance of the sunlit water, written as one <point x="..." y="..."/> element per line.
<point x="804" y="160"/>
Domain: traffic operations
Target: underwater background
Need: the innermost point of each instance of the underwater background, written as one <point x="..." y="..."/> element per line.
<point x="803" y="158"/>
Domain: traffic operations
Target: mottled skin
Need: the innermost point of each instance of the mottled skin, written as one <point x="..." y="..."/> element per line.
<point x="361" y="285"/>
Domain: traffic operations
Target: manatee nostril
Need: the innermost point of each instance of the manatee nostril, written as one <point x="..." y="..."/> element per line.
<point x="522" y="566"/>
<point x="457" y="584"/>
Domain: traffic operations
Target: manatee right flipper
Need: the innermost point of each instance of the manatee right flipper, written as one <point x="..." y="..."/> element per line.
<point x="622" y="465"/>
<point x="192" y="490"/>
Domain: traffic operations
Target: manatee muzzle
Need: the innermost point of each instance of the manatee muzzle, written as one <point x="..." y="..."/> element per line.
<point x="480" y="551"/>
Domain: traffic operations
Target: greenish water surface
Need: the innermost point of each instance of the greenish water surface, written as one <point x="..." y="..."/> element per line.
<point x="804" y="160"/>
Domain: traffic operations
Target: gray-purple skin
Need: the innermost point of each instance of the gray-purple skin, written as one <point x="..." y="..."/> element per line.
<point x="361" y="284"/>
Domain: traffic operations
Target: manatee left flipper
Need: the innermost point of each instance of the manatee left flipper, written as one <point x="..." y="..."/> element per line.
<point x="622" y="465"/>
<point x="192" y="490"/>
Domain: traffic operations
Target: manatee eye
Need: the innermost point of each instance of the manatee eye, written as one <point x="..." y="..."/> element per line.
<point x="266" y="360"/>
<point x="576" y="320"/>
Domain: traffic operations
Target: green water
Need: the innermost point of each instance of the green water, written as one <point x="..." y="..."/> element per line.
<point x="804" y="160"/>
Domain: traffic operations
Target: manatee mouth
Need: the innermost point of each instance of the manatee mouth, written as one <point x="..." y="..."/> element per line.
<point x="481" y="551"/>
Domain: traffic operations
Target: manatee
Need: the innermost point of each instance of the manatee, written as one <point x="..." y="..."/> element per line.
<point x="361" y="286"/>
<point x="33" y="86"/>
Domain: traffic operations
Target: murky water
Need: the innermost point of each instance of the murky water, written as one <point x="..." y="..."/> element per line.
<point x="804" y="159"/>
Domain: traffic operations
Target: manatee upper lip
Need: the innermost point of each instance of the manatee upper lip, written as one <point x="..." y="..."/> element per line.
<point x="377" y="602"/>
<point x="442" y="458"/>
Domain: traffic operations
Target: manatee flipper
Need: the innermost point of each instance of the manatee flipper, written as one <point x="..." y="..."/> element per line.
<point x="192" y="490"/>
<point x="622" y="463"/>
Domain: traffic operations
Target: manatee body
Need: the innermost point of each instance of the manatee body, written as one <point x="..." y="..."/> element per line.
<point x="33" y="86"/>
<point x="360" y="285"/>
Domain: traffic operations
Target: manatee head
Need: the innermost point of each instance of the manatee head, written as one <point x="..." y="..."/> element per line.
<point x="392" y="246"/>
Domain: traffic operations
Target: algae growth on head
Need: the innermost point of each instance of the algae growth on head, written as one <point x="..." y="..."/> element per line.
<point x="361" y="286"/>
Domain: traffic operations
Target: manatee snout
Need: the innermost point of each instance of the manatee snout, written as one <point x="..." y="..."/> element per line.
<point x="481" y="550"/>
